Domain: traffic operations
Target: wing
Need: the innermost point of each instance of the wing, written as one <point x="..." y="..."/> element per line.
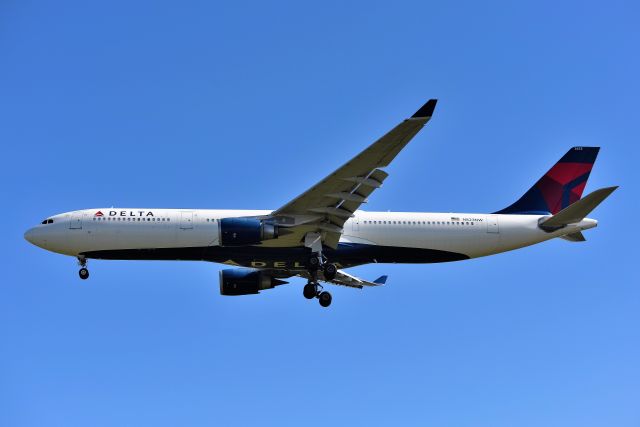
<point x="345" y="279"/>
<point x="326" y="206"/>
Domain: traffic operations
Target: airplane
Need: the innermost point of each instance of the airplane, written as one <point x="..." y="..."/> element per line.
<point x="323" y="231"/>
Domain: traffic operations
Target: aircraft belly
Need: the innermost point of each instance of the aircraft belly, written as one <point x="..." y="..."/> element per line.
<point x="292" y="258"/>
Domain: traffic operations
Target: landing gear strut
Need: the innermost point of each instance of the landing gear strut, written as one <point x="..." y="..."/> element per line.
<point x="317" y="262"/>
<point x="83" y="272"/>
<point x="313" y="289"/>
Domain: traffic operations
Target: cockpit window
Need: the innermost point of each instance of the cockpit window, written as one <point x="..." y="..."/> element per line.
<point x="47" y="221"/>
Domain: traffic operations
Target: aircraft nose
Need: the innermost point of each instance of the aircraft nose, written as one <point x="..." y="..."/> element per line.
<point x="31" y="235"/>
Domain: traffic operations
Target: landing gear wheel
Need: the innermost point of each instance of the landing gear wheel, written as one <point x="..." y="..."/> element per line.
<point x="309" y="291"/>
<point x="313" y="263"/>
<point x="324" y="299"/>
<point x="83" y="273"/>
<point x="330" y="271"/>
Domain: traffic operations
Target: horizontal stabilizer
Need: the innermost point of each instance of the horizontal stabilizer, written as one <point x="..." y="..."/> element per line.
<point x="577" y="211"/>
<point x="574" y="237"/>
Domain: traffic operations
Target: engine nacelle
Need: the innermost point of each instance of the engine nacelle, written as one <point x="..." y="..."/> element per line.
<point x="240" y="281"/>
<point x="245" y="231"/>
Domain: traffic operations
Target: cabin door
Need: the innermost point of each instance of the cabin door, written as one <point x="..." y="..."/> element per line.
<point x="186" y="220"/>
<point x="492" y="224"/>
<point x="76" y="220"/>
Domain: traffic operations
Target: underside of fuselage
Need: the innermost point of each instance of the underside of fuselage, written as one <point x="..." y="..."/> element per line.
<point x="346" y="255"/>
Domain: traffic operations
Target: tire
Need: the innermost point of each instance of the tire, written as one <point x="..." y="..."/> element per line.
<point x="330" y="271"/>
<point x="325" y="299"/>
<point x="313" y="263"/>
<point x="309" y="291"/>
<point x="83" y="273"/>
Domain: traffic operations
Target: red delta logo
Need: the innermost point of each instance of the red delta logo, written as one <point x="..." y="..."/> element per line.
<point x="98" y="214"/>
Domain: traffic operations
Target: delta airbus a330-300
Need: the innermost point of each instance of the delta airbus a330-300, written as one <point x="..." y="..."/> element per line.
<point x="323" y="231"/>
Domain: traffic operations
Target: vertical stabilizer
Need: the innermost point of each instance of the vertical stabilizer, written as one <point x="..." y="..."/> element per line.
<point x="562" y="185"/>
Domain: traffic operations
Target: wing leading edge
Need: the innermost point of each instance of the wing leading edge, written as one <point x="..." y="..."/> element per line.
<point x="326" y="206"/>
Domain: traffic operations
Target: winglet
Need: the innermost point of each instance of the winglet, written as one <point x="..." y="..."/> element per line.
<point x="426" y="110"/>
<point x="381" y="280"/>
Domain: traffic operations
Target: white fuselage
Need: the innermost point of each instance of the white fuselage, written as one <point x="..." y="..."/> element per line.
<point x="96" y="233"/>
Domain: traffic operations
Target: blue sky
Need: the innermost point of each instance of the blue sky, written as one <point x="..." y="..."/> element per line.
<point x="245" y="105"/>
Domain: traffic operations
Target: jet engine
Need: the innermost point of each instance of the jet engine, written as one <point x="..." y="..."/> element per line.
<point x="245" y="231"/>
<point x="240" y="281"/>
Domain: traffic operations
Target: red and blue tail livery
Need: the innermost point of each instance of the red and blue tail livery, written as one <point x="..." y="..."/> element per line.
<point x="561" y="186"/>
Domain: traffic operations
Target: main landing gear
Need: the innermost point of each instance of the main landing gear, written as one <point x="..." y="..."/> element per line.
<point x="313" y="289"/>
<point x="83" y="272"/>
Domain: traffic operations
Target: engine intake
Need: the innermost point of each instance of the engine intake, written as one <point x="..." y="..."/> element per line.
<point x="245" y="282"/>
<point x="245" y="231"/>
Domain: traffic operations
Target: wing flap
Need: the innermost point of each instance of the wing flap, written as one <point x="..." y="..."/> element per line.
<point x="340" y="194"/>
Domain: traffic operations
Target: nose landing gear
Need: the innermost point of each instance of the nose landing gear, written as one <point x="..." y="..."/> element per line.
<point x="83" y="272"/>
